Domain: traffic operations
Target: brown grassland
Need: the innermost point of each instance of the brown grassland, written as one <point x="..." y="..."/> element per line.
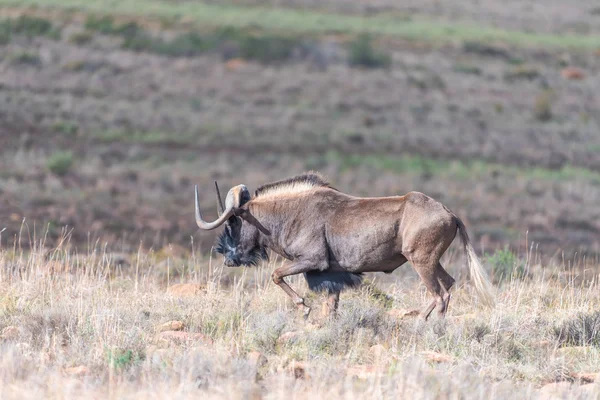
<point x="171" y="324"/>
<point x="110" y="112"/>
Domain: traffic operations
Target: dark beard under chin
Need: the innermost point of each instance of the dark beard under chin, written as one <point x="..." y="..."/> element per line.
<point x="255" y="256"/>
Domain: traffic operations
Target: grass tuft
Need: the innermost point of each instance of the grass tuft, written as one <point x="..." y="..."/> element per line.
<point x="582" y="330"/>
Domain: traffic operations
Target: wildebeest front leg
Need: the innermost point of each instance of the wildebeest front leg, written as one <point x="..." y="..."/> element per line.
<point x="293" y="269"/>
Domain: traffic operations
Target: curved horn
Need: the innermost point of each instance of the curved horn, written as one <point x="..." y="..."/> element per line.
<point x="221" y="209"/>
<point x="212" y="225"/>
<point x="232" y="202"/>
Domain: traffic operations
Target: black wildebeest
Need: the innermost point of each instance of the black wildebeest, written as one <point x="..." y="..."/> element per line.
<point x="333" y="237"/>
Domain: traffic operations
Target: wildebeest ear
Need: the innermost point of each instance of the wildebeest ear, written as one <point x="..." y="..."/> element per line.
<point x="247" y="216"/>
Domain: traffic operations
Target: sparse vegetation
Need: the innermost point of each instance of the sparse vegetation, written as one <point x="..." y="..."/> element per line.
<point x="240" y="332"/>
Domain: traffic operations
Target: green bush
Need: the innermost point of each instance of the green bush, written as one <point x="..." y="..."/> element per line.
<point x="363" y="54"/>
<point x="60" y="162"/>
<point x="506" y="265"/>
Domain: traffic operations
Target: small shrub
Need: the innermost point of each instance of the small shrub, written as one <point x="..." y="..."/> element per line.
<point x="522" y="72"/>
<point x="75" y="66"/>
<point x="31" y="26"/>
<point x="542" y="109"/>
<point x="119" y="358"/>
<point x="380" y="296"/>
<point x="107" y="26"/>
<point x="486" y="50"/>
<point x="266" y="49"/>
<point x="103" y="24"/>
<point x="60" y="162"/>
<point x="363" y="54"/>
<point x="27" y="26"/>
<point x="81" y="38"/>
<point x="67" y="128"/>
<point x="144" y="42"/>
<point x="184" y="45"/>
<point x="264" y="330"/>
<point x="506" y="265"/>
<point x="478" y="331"/>
<point x="582" y="330"/>
<point x="188" y="44"/>
<point x="25" y="58"/>
<point x="427" y="80"/>
<point x="126" y="30"/>
<point x="4" y="32"/>
<point x="467" y="69"/>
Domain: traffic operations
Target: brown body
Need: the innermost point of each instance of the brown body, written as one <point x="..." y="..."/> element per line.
<point x="331" y="236"/>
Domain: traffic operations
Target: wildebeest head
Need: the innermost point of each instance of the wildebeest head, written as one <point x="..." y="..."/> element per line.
<point x="239" y="242"/>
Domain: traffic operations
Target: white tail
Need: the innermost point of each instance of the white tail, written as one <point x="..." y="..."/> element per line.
<point x="478" y="276"/>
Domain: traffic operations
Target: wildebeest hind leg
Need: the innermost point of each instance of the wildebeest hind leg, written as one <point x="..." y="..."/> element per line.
<point x="293" y="269"/>
<point x="446" y="282"/>
<point x="429" y="277"/>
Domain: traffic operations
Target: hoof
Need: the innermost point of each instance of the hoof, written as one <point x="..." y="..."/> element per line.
<point x="306" y="313"/>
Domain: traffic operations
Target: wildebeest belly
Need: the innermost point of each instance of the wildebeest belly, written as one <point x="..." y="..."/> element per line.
<point x="371" y="248"/>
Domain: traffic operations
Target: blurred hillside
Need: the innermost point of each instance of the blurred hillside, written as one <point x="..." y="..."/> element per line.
<point x="110" y="113"/>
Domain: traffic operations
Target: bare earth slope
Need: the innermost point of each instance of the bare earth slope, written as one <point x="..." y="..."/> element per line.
<point x="494" y="131"/>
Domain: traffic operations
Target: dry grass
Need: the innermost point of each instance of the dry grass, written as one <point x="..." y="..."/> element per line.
<point x="60" y="310"/>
